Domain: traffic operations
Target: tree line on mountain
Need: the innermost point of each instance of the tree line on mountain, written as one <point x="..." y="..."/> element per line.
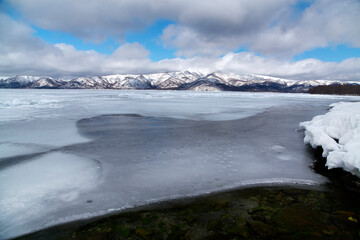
<point x="346" y="89"/>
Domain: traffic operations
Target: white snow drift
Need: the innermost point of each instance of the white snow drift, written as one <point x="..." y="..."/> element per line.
<point x="338" y="133"/>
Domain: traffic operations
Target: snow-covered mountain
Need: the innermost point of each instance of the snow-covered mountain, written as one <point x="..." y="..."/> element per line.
<point x="187" y="80"/>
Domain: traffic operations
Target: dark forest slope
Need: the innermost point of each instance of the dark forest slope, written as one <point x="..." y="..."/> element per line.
<point x="347" y="89"/>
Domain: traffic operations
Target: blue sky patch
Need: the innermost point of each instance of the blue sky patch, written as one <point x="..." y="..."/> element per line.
<point x="53" y="37"/>
<point x="150" y="39"/>
<point x="330" y="54"/>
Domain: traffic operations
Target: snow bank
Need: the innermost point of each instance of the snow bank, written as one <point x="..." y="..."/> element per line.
<point x="338" y="133"/>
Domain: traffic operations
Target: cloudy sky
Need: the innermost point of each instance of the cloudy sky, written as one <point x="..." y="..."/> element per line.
<point x="308" y="39"/>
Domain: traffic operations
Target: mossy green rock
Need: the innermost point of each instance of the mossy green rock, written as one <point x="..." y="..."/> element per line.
<point x="263" y="229"/>
<point x="298" y="218"/>
<point x="143" y="232"/>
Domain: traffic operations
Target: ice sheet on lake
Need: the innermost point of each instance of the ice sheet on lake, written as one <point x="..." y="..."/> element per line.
<point x="22" y="105"/>
<point x="338" y="133"/>
<point x="182" y="144"/>
<point x="41" y="186"/>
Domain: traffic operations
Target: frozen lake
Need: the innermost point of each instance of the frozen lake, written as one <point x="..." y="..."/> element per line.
<point x="74" y="154"/>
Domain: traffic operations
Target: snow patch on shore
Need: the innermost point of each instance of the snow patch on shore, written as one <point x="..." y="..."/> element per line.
<point x="338" y="133"/>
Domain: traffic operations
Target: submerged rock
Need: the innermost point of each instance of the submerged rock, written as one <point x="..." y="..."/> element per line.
<point x="299" y="217"/>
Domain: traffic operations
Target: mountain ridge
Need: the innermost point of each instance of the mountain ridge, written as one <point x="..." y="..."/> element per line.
<point x="184" y="80"/>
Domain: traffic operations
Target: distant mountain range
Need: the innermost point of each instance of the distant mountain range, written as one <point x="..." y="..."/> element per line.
<point x="187" y="80"/>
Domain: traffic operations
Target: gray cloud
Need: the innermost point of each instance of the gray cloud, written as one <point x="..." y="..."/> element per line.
<point x="190" y="42"/>
<point x="324" y="22"/>
<point x="202" y="27"/>
<point x="91" y="19"/>
<point x="22" y="53"/>
<point x="271" y="31"/>
<point x="99" y="19"/>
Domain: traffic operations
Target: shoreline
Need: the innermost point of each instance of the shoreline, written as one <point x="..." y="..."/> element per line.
<point x="283" y="212"/>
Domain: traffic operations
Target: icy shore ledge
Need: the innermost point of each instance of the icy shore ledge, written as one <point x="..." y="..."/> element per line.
<point x="338" y="133"/>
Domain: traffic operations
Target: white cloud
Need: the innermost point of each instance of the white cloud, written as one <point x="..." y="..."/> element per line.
<point x="130" y="51"/>
<point x="308" y="69"/>
<point x="246" y="62"/>
<point x="128" y="58"/>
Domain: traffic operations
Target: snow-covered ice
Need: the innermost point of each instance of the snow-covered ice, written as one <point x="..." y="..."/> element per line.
<point x="338" y="133"/>
<point x="73" y="154"/>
